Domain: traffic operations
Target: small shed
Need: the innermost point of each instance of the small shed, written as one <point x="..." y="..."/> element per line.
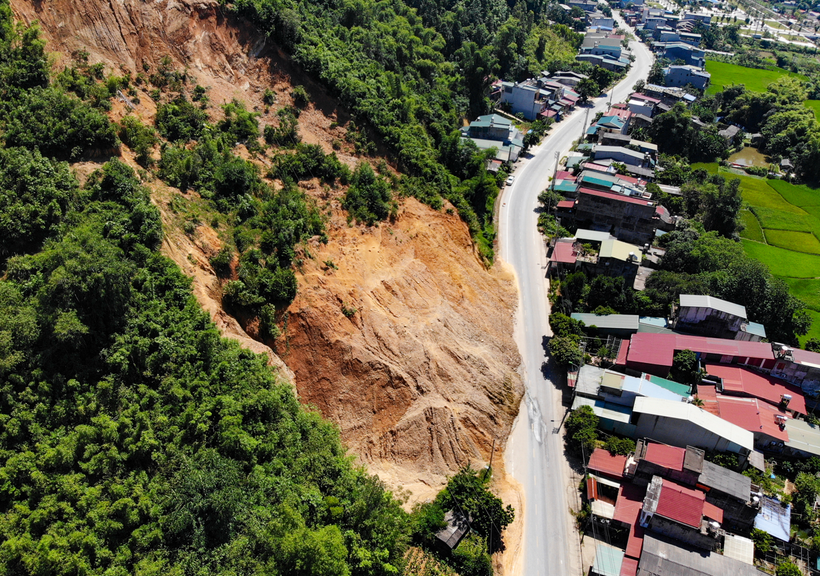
<point x="458" y="526"/>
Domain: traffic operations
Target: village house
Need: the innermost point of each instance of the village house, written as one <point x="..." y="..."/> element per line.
<point x="710" y="316"/>
<point x="678" y="75"/>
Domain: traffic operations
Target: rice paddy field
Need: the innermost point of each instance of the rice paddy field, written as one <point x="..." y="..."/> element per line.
<point x="782" y="230"/>
<point x="755" y="79"/>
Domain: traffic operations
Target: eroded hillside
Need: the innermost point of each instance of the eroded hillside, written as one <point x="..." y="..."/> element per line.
<point x="398" y="332"/>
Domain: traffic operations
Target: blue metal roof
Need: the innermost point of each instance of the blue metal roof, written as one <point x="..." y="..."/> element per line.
<point x="774" y="518"/>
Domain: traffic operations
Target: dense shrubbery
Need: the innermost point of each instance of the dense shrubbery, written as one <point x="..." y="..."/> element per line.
<point x="134" y="439"/>
<point x="180" y="121"/>
<point x="369" y="198"/>
<point x="35" y="194"/>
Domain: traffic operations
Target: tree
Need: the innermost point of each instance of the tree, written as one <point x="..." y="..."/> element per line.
<point x="587" y="88"/>
<point x="685" y="367"/>
<point x="566" y="351"/>
<point x="582" y="434"/>
<point x="467" y="492"/>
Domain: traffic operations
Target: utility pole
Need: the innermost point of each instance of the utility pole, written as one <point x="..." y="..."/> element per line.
<point x="555" y="172"/>
<point x="584" y="130"/>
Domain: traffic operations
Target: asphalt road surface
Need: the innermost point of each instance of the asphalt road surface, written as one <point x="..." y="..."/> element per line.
<point x="535" y="454"/>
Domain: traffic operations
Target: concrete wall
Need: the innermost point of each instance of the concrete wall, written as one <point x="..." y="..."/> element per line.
<point x="681" y="433"/>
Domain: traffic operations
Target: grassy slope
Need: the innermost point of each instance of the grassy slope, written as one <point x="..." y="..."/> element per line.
<point x="814" y="105"/>
<point x="782" y="227"/>
<point x="756" y="80"/>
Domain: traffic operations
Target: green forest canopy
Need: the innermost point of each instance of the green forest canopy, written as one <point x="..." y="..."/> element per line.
<point x="409" y="72"/>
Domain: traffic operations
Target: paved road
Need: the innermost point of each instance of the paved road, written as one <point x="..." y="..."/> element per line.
<point x="535" y="453"/>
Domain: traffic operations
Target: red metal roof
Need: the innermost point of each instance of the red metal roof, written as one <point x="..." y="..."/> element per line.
<point x="566" y="204"/>
<point x="804" y="356"/>
<point x="629" y="567"/>
<point x="752" y="415"/>
<point x="602" y="461"/>
<point x="564" y="175"/>
<point x="634" y="545"/>
<point x="659" y="349"/>
<point x="618" y="197"/>
<point x="681" y="504"/>
<point x="629" y="503"/>
<point x="592" y="489"/>
<point x="645" y="97"/>
<point x="670" y="457"/>
<point x="746" y="382"/>
<point x="623" y="350"/>
<point x="713" y="512"/>
<point x="597" y="167"/>
<point x="548" y="113"/>
<point x="563" y="252"/>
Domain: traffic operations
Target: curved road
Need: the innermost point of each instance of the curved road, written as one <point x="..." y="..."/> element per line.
<point x="535" y="454"/>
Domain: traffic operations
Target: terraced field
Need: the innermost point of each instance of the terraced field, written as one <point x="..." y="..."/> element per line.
<point x="782" y="230"/>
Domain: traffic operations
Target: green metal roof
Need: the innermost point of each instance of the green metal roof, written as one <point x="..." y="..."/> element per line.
<point x="594" y="180"/>
<point x="676" y="387"/>
<point x="565" y="186"/>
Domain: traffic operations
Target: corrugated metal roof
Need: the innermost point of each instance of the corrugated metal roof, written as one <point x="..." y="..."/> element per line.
<point x="591" y="235"/>
<point x="588" y="380"/>
<point x="564" y="253"/>
<point x="609" y="321"/>
<point x="756" y="328"/>
<point x="620" y="251"/>
<point x="751" y="414"/>
<point x="774" y="518"/>
<point x="744" y="381"/>
<point x="604" y="462"/>
<point x="681" y="504"/>
<point x="698" y="416"/>
<point x="604" y="410"/>
<point x="803" y="436"/>
<point x="629" y="567"/>
<point x="712" y="512"/>
<point x="726" y="481"/>
<point x="659" y="349"/>
<point x="605" y="150"/>
<point x="644" y="387"/>
<point x="661" y="557"/>
<point x="608" y="560"/>
<point x="670" y="457"/>
<point x="676" y="387"/>
<point x="700" y="301"/>
<point x="616" y="197"/>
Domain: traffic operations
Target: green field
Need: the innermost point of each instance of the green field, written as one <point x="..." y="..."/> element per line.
<point x="804" y="242"/>
<point x="782" y="228"/>
<point x="782" y="262"/>
<point x="751" y="226"/>
<point x="782" y="220"/>
<point x="755" y="80"/>
<point x="799" y="195"/>
<point x="814" y="105"/>
<point x="807" y="289"/>
<point x="814" y="331"/>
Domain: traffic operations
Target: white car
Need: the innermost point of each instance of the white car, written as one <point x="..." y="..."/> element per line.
<point x="510" y="180"/>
